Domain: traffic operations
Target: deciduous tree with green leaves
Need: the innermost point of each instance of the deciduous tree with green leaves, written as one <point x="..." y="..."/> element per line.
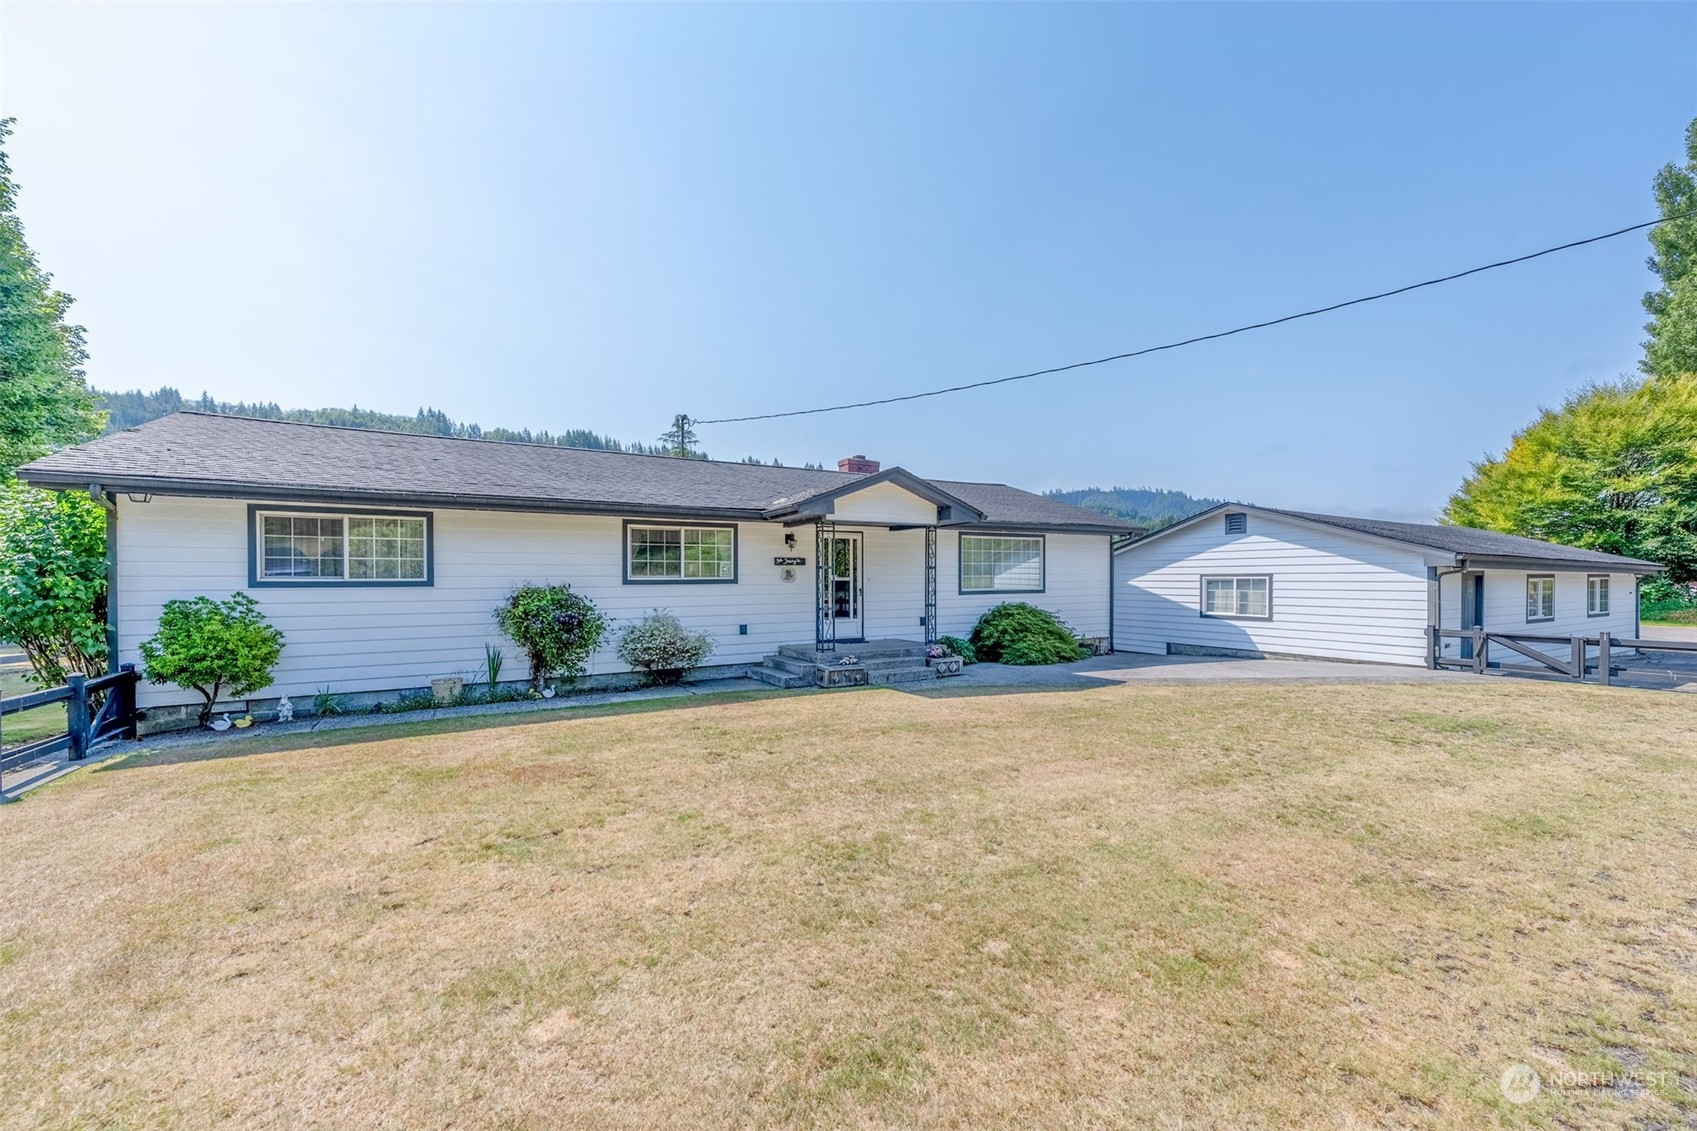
<point x="44" y="401"/>
<point x="1613" y="469"/>
<point x="53" y="580"/>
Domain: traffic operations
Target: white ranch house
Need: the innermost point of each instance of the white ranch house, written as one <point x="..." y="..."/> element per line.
<point x="382" y="556"/>
<point x="1254" y="581"/>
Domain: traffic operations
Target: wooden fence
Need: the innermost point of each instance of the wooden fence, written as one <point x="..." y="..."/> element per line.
<point x="1574" y="664"/>
<point x="85" y="726"/>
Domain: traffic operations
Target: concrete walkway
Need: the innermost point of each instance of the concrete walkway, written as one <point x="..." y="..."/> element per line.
<point x="1127" y="667"/>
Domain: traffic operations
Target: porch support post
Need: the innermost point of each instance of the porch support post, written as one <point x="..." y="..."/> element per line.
<point x="819" y="549"/>
<point x="930" y="585"/>
<point x="824" y="615"/>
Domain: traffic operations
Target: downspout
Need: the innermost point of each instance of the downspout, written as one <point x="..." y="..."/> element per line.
<point x="109" y="503"/>
<point x="1110" y="594"/>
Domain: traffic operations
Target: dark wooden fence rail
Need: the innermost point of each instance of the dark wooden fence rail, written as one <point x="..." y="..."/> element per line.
<point x="1574" y="665"/>
<point x="85" y="728"/>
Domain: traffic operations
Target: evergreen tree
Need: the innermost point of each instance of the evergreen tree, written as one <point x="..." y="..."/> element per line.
<point x="1672" y="347"/>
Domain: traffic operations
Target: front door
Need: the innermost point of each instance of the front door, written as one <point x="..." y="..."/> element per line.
<point x="844" y="587"/>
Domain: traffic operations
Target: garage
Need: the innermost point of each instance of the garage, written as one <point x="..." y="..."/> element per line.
<point x="1251" y="581"/>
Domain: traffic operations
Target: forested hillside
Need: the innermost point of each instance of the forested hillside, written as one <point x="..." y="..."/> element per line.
<point x="1149" y="507"/>
<point x="126" y="410"/>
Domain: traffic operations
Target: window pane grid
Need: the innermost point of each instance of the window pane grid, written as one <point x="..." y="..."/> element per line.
<point x="342" y="548"/>
<point x="1540" y="598"/>
<point x="1237" y="596"/>
<point x="682" y="553"/>
<point x="1000" y="563"/>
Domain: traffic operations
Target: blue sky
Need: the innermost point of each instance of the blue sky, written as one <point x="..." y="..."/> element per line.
<point x="556" y="217"/>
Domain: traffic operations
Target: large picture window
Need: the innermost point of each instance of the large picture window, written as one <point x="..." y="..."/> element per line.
<point x="680" y="553"/>
<point x="1250" y="597"/>
<point x="316" y="547"/>
<point x="1001" y="563"/>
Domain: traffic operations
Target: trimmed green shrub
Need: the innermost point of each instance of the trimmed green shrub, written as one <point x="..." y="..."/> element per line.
<point x="1018" y="633"/>
<point x="662" y="648"/>
<point x="958" y="647"/>
<point x="213" y="646"/>
<point x="558" y="629"/>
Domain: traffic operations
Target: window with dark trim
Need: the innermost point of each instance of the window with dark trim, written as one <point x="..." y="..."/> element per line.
<point x="662" y="552"/>
<point x="315" y="546"/>
<point x="1597" y="595"/>
<point x="1540" y="597"/>
<point x="1240" y="598"/>
<point x="1001" y="563"/>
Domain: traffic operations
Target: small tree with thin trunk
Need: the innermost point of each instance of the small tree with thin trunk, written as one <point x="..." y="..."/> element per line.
<point x="213" y="647"/>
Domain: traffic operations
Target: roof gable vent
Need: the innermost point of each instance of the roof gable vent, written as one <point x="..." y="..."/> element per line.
<point x="1237" y="523"/>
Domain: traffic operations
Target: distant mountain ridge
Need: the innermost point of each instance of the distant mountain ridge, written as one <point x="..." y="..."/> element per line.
<point x="128" y="409"/>
<point x="1148" y="507"/>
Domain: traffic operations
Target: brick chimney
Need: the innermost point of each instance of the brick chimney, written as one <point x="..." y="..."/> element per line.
<point x="858" y="464"/>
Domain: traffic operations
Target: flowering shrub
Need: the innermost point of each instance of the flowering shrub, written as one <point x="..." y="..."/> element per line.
<point x="557" y="628"/>
<point x="661" y="647"/>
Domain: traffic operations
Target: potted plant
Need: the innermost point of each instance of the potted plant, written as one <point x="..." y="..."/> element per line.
<point x="942" y="661"/>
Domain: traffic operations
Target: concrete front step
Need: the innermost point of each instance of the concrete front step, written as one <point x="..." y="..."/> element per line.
<point x="779" y="678"/>
<point x="902" y="675"/>
<point x="881" y="663"/>
<point x="866" y="651"/>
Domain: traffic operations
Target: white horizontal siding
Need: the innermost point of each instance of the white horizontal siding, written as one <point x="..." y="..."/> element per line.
<point x="1075" y="570"/>
<point x="1505" y="610"/>
<point x="1333" y="595"/>
<point x="384" y="638"/>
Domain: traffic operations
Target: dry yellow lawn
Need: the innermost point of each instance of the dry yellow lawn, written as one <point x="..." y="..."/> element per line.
<point x="1230" y="906"/>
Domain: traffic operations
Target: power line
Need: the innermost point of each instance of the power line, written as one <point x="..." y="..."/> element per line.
<point x="1202" y="337"/>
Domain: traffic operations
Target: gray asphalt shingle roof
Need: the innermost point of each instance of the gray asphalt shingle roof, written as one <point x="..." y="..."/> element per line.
<point x="1467" y="540"/>
<point x="1463" y="541"/>
<point x="201" y="453"/>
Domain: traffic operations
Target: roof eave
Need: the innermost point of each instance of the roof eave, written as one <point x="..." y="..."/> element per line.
<point x="1634" y="566"/>
<point x="210" y="489"/>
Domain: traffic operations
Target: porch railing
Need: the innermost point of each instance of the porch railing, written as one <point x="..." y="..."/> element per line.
<point x="1576" y="663"/>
